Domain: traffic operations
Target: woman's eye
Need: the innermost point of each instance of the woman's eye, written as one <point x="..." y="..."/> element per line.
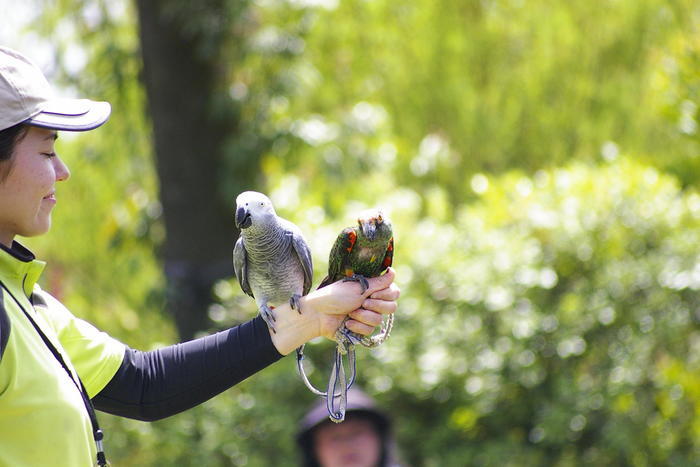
<point x="49" y="154"/>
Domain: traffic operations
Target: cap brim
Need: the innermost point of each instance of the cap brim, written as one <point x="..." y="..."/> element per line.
<point x="71" y="115"/>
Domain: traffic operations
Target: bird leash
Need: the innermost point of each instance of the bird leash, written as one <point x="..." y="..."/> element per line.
<point x="338" y="383"/>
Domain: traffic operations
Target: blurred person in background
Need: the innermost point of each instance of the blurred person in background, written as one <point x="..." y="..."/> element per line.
<point x="56" y="369"/>
<point x="364" y="439"/>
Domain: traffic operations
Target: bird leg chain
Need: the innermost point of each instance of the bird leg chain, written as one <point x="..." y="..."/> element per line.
<point x="336" y="405"/>
<point x="302" y="372"/>
<point x="375" y="341"/>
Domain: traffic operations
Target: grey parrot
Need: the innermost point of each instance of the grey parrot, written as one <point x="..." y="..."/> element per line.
<point x="271" y="258"/>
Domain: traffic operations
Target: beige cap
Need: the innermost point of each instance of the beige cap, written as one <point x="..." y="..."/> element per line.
<point x="26" y="96"/>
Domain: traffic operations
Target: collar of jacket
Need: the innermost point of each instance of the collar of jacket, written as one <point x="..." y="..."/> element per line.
<point x="19" y="267"/>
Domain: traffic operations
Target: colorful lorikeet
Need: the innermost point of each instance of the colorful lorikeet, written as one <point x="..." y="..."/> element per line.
<point x="360" y="252"/>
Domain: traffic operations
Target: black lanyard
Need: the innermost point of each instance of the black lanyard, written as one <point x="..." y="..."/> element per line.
<point x="97" y="433"/>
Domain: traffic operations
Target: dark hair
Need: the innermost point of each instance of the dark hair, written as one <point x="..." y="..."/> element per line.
<point x="9" y="137"/>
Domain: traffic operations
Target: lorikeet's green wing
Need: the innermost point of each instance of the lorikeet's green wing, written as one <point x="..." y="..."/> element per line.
<point x="338" y="257"/>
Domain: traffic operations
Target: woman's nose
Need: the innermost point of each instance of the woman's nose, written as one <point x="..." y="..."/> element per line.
<point x="62" y="171"/>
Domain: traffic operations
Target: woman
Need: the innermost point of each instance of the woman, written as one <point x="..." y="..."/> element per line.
<point x="54" y="366"/>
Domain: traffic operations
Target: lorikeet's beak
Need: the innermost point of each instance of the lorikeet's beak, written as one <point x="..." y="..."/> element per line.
<point x="243" y="220"/>
<point x="369" y="228"/>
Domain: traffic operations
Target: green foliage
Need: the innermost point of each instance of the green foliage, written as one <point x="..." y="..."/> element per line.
<point x="447" y="89"/>
<point x="549" y="313"/>
<point x="676" y="80"/>
<point x="555" y="320"/>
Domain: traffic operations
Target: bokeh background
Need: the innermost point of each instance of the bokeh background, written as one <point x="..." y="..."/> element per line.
<point x="540" y="160"/>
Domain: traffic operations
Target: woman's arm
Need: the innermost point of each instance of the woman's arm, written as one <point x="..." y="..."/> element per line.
<point x="157" y="384"/>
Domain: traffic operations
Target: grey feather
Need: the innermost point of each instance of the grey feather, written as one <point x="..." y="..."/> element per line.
<point x="240" y="266"/>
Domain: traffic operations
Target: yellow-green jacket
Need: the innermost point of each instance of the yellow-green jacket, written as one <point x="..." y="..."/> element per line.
<point x="43" y="419"/>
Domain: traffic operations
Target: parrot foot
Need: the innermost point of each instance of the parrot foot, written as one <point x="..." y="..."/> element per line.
<point x="268" y="315"/>
<point x="358" y="278"/>
<point x="295" y="302"/>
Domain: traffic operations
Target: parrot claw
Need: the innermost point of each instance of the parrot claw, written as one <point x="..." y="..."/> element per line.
<point x="269" y="316"/>
<point x="295" y="302"/>
<point x="358" y="278"/>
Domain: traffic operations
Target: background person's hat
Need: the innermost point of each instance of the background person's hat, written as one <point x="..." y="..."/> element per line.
<point x="359" y="404"/>
<point x="26" y="97"/>
<point x="357" y="401"/>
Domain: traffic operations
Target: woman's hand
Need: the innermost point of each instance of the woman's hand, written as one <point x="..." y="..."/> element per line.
<point x="366" y="318"/>
<point x="365" y="310"/>
<point x="323" y="310"/>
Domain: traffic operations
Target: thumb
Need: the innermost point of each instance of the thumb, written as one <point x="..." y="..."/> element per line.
<point x="380" y="282"/>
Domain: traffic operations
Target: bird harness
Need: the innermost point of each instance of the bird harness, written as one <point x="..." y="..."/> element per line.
<point x="338" y="383"/>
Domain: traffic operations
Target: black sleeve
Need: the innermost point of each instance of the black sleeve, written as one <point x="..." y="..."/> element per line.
<point x="153" y="385"/>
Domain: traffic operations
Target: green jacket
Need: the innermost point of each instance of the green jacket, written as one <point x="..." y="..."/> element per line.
<point x="43" y="420"/>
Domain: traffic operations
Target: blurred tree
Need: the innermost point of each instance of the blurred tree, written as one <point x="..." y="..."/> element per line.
<point x="186" y="72"/>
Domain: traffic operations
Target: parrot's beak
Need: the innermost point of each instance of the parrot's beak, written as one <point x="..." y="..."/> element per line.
<point x="369" y="229"/>
<point x="243" y="220"/>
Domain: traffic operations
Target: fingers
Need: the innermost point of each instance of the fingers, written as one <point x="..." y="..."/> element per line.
<point x="390" y="293"/>
<point x="368" y="317"/>
<point x="363" y="321"/>
<point x="380" y="306"/>
<point x="381" y="282"/>
<point x="382" y="295"/>
<point x="359" y="328"/>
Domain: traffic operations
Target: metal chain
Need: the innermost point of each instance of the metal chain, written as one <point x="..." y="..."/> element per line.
<point x="336" y="412"/>
<point x="338" y="385"/>
<point x="375" y="341"/>
<point x="350" y="351"/>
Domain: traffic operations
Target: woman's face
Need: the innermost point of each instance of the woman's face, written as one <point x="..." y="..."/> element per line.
<point x="353" y="443"/>
<point x="27" y="193"/>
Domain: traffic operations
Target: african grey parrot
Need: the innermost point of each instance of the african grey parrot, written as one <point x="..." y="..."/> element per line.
<point x="271" y="258"/>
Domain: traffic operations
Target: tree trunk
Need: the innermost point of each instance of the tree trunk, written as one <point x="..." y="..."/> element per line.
<point x="183" y="83"/>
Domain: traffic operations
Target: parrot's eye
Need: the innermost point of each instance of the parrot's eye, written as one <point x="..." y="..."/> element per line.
<point x="262" y="204"/>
